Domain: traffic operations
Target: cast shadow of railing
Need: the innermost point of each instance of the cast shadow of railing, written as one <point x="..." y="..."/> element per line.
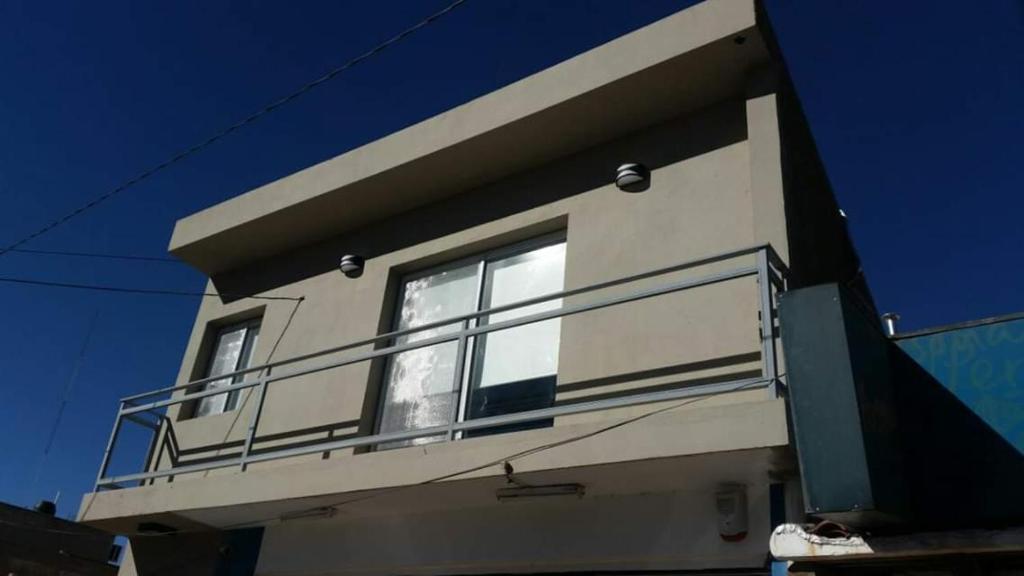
<point x="170" y="452"/>
<point x="593" y="386"/>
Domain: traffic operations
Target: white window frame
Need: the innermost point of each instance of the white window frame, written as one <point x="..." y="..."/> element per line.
<point x="244" y="360"/>
<point x="471" y="357"/>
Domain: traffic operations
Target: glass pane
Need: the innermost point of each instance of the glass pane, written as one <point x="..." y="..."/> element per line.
<point x="224" y="359"/>
<point x="251" y="337"/>
<point x="529" y="351"/>
<point x="419" y="390"/>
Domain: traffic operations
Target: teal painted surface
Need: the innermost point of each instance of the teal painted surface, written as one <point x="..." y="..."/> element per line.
<point x="984" y="367"/>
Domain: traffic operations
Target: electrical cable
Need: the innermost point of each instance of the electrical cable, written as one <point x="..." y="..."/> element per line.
<point x="65" y="397"/>
<point x="148" y="291"/>
<point x="101" y="255"/>
<point x="234" y="127"/>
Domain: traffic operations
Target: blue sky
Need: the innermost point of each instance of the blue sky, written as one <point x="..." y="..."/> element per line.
<point x="915" y="107"/>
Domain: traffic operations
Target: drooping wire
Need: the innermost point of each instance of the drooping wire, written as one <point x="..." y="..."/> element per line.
<point x="234" y="127"/>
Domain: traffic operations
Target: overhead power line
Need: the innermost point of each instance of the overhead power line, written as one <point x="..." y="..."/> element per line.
<point x="234" y="127"/>
<point x="65" y="397"/>
<point x="101" y="255"/>
<point x="151" y="291"/>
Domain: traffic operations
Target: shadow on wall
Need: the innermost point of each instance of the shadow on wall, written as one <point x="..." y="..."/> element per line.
<point x="171" y="452"/>
<point x="963" y="443"/>
<point x="213" y="553"/>
<point x="983" y="366"/>
<point x="594" y="386"/>
<point x="673" y="141"/>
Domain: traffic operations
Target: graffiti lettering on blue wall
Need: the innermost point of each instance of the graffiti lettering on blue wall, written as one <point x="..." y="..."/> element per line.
<point x="984" y="367"/>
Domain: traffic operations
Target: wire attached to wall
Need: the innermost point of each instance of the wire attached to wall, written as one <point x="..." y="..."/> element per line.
<point x="148" y="291"/>
<point x="97" y="255"/>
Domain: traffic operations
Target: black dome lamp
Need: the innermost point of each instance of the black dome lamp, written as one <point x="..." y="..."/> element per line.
<point x="633" y="177"/>
<point x="352" y="265"/>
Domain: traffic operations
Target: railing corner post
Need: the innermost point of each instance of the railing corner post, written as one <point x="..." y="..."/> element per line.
<point x="769" y="359"/>
<point x="108" y="451"/>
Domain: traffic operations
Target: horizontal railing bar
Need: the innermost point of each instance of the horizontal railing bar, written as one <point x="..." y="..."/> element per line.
<point x="159" y="415"/>
<point x="142" y="422"/>
<point x="191" y="397"/>
<point x="777" y="272"/>
<point x="515" y="322"/>
<point x="170" y="471"/>
<point x="477" y="314"/>
<point x="378" y="439"/>
<point x="543" y="413"/>
<point x="477" y="330"/>
<point x="611" y="403"/>
<point x="540" y="414"/>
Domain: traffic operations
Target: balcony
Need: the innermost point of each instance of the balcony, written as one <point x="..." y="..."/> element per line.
<point x="167" y="458"/>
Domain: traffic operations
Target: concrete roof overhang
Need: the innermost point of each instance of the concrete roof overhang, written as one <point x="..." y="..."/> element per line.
<point x="680" y="63"/>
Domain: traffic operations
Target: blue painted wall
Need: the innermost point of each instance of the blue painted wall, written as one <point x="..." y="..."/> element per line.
<point x="983" y="366"/>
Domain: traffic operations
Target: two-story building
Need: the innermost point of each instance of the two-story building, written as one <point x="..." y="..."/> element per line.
<point x="535" y="333"/>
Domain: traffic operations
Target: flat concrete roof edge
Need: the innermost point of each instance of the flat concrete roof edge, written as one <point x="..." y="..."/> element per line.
<point x="658" y="42"/>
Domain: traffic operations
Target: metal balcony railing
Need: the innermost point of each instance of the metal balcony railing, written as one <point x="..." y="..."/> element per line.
<point x="768" y="268"/>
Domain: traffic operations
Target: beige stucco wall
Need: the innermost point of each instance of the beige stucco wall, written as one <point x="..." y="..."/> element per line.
<point x="701" y="202"/>
<point x="658" y="531"/>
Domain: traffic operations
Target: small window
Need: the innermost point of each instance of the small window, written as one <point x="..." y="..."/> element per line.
<point x="232" y="351"/>
<point x="508" y="371"/>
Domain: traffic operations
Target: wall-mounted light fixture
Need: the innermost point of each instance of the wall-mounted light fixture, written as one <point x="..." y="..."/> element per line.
<point x="517" y="493"/>
<point x="633" y="177"/>
<point x="352" y="265"/>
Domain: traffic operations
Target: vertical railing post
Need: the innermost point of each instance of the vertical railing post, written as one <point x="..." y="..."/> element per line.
<point x="460" y="363"/>
<point x="105" y="463"/>
<point x="151" y="452"/>
<point x="767" y="309"/>
<point x="261" y="393"/>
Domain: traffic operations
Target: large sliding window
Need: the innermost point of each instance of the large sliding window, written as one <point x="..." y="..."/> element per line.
<point x="232" y="351"/>
<point x="505" y="371"/>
